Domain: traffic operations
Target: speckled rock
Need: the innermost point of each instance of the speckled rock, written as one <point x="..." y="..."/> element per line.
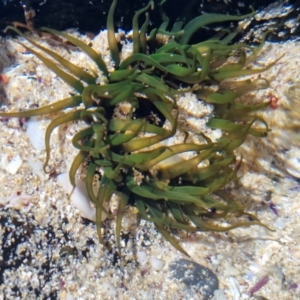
<point x="197" y="278"/>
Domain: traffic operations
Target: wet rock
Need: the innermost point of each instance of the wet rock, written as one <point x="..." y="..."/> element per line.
<point x="196" y="277"/>
<point x="280" y="16"/>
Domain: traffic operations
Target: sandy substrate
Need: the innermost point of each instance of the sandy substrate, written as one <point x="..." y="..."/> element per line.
<point x="47" y="251"/>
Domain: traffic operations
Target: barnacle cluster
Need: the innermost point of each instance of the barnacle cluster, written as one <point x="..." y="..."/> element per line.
<point x="130" y="155"/>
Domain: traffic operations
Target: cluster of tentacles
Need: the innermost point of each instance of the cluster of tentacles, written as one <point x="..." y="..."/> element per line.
<point x="179" y="194"/>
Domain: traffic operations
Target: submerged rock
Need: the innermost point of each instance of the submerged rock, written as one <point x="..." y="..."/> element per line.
<point x="196" y="277"/>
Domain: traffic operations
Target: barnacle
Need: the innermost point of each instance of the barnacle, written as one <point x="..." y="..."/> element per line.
<point x="171" y="192"/>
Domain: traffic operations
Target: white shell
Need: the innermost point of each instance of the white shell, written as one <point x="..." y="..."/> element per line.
<point x="79" y="197"/>
<point x="292" y="164"/>
<point x="36" y="133"/>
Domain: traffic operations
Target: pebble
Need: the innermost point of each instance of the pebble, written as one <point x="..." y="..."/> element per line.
<point x="142" y="257"/>
<point x="219" y="295"/>
<point x="36" y="133"/>
<point x="194" y="275"/>
<point x="79" y="197"/>
<point x="292" y="164"/>
<point x="11" y="165"/>
<point x="156" y="263"/>
<point x="280" y="223"/>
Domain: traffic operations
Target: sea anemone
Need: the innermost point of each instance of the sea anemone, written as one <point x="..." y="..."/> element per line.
<point x="132" y="156"/>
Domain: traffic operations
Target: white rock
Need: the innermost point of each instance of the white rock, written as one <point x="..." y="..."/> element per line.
<point x="217" y="133"/>
<point x="279" y="223"/>
<point x="36" y="133"/>
<point x="219" y="295"/>
<point x="292" y="164"/>
<point x="11" y="165"/>
<point x="142" y="258"/>
<point x="156" y="263"/>
<point x="36" y="166"/>
<point x="79" y="197"/>
<point x="234" y="288"/>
